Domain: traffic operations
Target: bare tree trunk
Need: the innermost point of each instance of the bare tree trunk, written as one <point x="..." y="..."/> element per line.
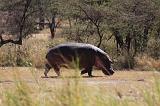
<point x="158" y="33"/>
<point x="128" y="42"/>
<point x="52" y="27"/>
<point x="70" y="25"/>
<point x="119" y="38"/>
<point x="145" y="38"/>
<point x="41" y="16"/>
<point x="100" y="35"/>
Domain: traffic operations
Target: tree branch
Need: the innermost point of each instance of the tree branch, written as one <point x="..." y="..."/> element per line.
<point x="22" y="22"/>
<point x="87" y="15"/>
<point x="9" y="41"/>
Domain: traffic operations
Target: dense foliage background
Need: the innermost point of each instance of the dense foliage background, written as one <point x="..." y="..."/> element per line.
<point x="123" y="28"/>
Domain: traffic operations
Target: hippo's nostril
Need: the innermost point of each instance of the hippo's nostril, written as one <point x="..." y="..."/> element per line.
<point x="108" y="72"/>
<point x="111" y="72"/>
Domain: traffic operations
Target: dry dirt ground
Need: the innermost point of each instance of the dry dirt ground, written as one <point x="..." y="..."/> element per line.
<point x="126" y="83"/>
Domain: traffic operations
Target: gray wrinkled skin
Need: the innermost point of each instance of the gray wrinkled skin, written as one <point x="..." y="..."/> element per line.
<point x="82" y="55"/>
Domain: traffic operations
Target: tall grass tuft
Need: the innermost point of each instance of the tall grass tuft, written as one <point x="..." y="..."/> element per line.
<point x="153" y="98"/>
<point x="21" y="96"/>
<point x="146" y="63"/>
<point x="69" y="92"/>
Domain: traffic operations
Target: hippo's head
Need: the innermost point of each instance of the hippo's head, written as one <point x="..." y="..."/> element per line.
<point x="104" y="62"/>
<point x="108" y="70"/>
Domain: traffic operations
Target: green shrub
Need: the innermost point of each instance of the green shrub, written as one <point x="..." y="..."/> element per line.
<point x="154" y="48"/>
<point x="125" y="62"/>
<point x="13" y="55"/>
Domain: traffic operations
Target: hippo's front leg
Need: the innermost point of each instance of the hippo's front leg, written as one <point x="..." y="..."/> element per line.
<point x="90" y="72"/>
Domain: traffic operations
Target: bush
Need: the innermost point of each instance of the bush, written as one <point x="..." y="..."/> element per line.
<point x="147" y="63"/>
<point x="154" y="48"/>
<point x="125" y="62"/>
<point x="7" y="56"/>
<point x="31" y="53"/>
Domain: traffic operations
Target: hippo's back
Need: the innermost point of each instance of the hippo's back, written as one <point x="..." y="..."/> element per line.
<point x="71" y="48"/>
<point x="74" y="46"/>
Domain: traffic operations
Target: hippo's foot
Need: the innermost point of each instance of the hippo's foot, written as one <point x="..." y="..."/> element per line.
<point x="83" y="72"/>
<point x="45" y="75"/>
<point x="59" y="76"/>
<point x="90" y="75"/>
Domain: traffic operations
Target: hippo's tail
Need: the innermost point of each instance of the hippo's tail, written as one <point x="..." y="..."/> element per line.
<point x="47" y="63"/>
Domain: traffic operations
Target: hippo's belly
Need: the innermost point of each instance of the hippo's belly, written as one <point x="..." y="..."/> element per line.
<point x="72" y="58"/>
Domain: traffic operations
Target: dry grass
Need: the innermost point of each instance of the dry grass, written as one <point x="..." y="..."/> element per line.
<point x="147" y="63"/>
<point x="31" y="53"/>
<point x="27" y="83"/>
<point x="24" y="86"/>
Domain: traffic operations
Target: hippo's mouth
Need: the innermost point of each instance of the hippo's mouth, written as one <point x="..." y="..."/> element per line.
<point x="108" y="72"/>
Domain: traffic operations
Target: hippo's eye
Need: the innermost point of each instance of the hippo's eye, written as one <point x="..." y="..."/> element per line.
<point x="111" y="68"/>
<point x="109" y="61"/>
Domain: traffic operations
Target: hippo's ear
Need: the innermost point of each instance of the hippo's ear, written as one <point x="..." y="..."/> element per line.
<point x="114" y="61"/>
<point x="111" y="61"/>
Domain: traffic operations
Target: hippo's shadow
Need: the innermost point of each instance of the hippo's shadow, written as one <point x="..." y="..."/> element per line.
<point x="50" y="77"/>
<point x="72" y="77"/>
<point x="92" y="76"/>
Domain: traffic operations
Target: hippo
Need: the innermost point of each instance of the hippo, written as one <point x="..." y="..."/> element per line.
<point x="86" y="55"/>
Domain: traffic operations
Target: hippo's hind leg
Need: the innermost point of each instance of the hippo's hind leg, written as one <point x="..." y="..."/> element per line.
<point x="83" y="71"/>
<point x="87" y="70"/>
<point x="47" y="68"/>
